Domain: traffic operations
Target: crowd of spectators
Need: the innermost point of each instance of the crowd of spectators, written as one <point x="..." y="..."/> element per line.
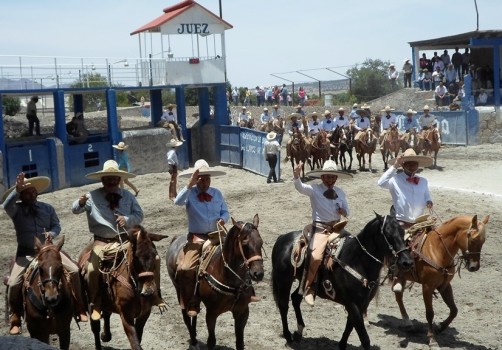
<point x="266" y="96"/>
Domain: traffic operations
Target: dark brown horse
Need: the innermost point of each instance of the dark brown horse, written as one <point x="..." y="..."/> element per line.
<point x="365" y="145"/>
<point x="436" y="263"/>
<point x="337" y="137"/>
<point x="320" y="149"/>
<point x="300" y="150"/>
<point x="346" y="146"/>
<point x="47" y="295"/>
<point x="130" y="286"/>
<point x="391" y="144"/>
<point x="431" y="143"/>
<point x="225" y="283"/>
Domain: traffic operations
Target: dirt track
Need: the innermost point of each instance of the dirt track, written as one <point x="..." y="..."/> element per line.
<point x="466" y="182"/>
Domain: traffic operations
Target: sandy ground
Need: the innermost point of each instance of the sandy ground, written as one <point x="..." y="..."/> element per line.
<point x="467" y="181"/>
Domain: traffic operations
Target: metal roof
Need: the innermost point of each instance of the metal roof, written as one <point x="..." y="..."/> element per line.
<point x="172" y="12"/>
<point x="460" y="40"/>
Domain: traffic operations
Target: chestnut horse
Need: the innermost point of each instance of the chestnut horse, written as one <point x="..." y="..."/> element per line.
<point x="320" y="149"/>
<point x="300" y="150"/>
<point x="365" y="145"/>
<point x="351" y="279"/>
<point x="391" y="144"/>
<point x="47" y="295"/>
<point x="431" y="143"/>
<point x="436" y="262"/>
<point x="224" y="285"/>
<point x="130" y="285"/>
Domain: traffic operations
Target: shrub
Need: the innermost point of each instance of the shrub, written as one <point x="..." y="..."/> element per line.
<point x="11" y="105"/>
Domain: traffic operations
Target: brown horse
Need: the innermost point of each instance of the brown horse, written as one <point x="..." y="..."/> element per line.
<point x="391" y="144"/>
<point x="224" y="285"/>
<point x="300" y="150"/>
<point x="346" y="146"/>
<point x="247" y="123"/>
<point x="431" y="143"/>
<point x="436" y="262"/>
<point x="411" y="139"/>
<point x="320" y="149"/>
<point x="337" y="137"/>
<point x="130" y="285"/>
<point x="366" y="145"/>
<point x="47" y="295"/>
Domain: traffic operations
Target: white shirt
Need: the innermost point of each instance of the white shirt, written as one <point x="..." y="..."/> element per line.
<point x="271" y="147"/>
<point x="276" y="113"/>
<point x="409" y="200"/>
<point x="172" y="157"/>
<point x="362" y="123"/>
<point x="243" y="116"/>
<point x="169" y="115"/>
<point x="299" y="125"/>
<point x="328" y="125"/>
<point x="386" y="122"/>
<point x="426" y="120"/>
<point x="440" y="90"/>
<point x="323" y="209"/>
<point x="265" y="118"/>
<point x="314" y="129"/>
<point x="342" y="122"/>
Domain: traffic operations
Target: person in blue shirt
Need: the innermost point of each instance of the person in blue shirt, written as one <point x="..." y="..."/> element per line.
<point x="124" y="165"/>
<point x="410" y="125"/>
<point x="206" y="209"/>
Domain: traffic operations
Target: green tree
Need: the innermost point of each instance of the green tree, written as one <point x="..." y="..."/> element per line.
<point x="369" y="81"/>
<point x="11" y="105"/>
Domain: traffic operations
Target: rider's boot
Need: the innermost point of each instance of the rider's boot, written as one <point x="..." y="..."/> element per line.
<point x="15" y="298"/>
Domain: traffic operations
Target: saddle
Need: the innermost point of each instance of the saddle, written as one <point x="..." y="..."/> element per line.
<point x="209" y="248"/>
<point x="416" y="235"/>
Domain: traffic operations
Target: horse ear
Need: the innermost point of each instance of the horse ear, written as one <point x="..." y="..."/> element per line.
<point x="474" y="223"/>
<point x="38" y="244"/>
<point x="155" y="237"/>
<point x="60" y="242"/>
<point x="378" y="216"/>
<point x="256" y="220"/>
<point x="392" y="211"/>
<point x="486" y="219"/>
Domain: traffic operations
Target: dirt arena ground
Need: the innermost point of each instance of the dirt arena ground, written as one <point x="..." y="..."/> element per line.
<point x="467" y="181"/>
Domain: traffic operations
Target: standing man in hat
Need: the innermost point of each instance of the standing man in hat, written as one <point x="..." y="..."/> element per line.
<point x="393" y="75"/>
<point x="31" y="115"/>
<point x="207" y="210"/>
<point x="409" y="192"/>
<point x="123" y="161"/>
<point x="408" y="71"/>
<point x="111" y="211"/>
<point x="171" y="117"/>
<point x="329" y="204"/>
<point x="33" y="219"/>
<point x="270" y="149"/>
<point x="172" y="166"/>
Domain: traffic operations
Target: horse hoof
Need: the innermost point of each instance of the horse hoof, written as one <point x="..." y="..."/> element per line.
<point x="297" y="337"/>
<point x="106" y="337"/>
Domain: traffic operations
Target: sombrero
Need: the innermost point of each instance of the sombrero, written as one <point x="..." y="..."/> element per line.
<point x="361" y="111"/>
<point x="329" y="168"/>
<point x="174" y="143"/>
<point x="204" y="169"/>
<point x="171" y="105"/>
<point x="411" y="111"/>
<point x="110" y="168"/>
<point x="40" y="183"/>
<point x="298" y="115"/>
<point x="354" y="105"/>
<point x="387" y="109"/>
<point x="426" y="108"/>
<point x="121" y="146"/>
<point x="271" y="136"/>
<point x="410" y="156"/>
<point x="310" y="115"/>
<point x="326" y="112"/>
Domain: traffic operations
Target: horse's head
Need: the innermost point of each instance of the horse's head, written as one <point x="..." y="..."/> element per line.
<point x="144" y="258"/>
<point x="50" y="270"/>
<point x="247" y="245"/>
<point x="393" y="244"/>
<point x="472" y="242"/>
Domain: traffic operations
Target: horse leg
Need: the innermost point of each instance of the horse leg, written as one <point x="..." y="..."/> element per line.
<point x="384" y="158"/>
<point x="140" y="322"/>
<point x="96" y="328"/>
<point x="342" y="344"/>
<point x="191" y="324"/>
<point x="427" y="293"/>
<point x="369" y="162"/>
<point x="130" y="330"/>
<point x="402" y="309"/>
<point x="211" y="326"/>
<point x="350" y="156"/>
<point x="64" y="338"/>
<point x="106" y="335"/>
<point x="296" y="300"/>
<point x="281" y="295"/>
<point x="447" y="295"/>
<point x="241" y="319"/>
<point x="355" y="320"/>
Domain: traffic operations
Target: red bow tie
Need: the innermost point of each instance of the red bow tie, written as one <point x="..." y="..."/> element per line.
<point x="204" y="197"/>
<point x="413" y="179"/>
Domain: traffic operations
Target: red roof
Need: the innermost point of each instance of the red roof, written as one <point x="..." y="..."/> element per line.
<point x="172" y="12"/>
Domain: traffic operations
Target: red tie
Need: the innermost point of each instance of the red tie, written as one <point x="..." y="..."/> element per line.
<point x="204" y="197"/>
<point x="413" y="179"/>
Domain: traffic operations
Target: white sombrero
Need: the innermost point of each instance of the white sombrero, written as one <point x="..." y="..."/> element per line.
<point x="410" y="156"/>
<point x="411" y="111"/>
<point x="174" y="143"/>
<point x="329" y="168"/>
<point x="271" y="136"/>
<point x="203" y="167"/>
<point x="310" y="115"/>
<point x="110" y="168"/>
<point x="121" y="146"/>
<point x="387" y="109"/>
<point x="297" y="115"/>
<point x="40" y="183"/>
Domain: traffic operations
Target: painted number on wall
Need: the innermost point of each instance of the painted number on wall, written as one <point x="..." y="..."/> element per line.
<point x="29" y="154"/>
<point x="89" y="148"/>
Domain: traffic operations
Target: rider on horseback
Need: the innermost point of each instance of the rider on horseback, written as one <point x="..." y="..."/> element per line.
<point x="314" y="124"/>
<point x="387" y="120"/>
<point x="293" y="125"/>
<point x="362" y="123"/>
<point x="410" y="193"/>
<point x="329" y="204"/>
<point x="110" y="211"/>
<point x="427" y="121"/>
<point x="32" y="219"/>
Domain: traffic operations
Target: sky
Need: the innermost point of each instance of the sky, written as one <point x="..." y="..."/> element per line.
<point x="268" y="37"/>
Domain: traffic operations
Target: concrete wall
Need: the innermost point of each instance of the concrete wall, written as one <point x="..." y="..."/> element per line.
<point x="490" y="125"/>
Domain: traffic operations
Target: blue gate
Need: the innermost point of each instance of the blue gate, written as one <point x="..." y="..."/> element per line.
<point x="230" y="147"/>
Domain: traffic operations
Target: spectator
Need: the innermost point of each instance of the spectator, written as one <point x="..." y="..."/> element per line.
<point x="437" y="76"/>
<point x="172" y="166"/>
<point x="235" y="96"/>
<point x="466" y="60"/>
<point x="482" y="98"/>
<point x="247" y="96"/>
<point x="424" y="62"/>
<point x="450" y="75"/>
<point x="393" y="75"/>
<point x="284" y="94"/>
<point x="407" y="70"/>
<point x="301" y="96"/>
<point x="445" y="58"/>
<point x="31" y="115"/>
<point x="439" y="63"/>
<point x="420" y="81"/>
<point x="441" y="95"/>
<point x="124" y="165"/>
<point x="269" y="96"/>
<point x="460" y="94"/>
<point x="427" y="81"/>
<point x="456" y="60"/>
